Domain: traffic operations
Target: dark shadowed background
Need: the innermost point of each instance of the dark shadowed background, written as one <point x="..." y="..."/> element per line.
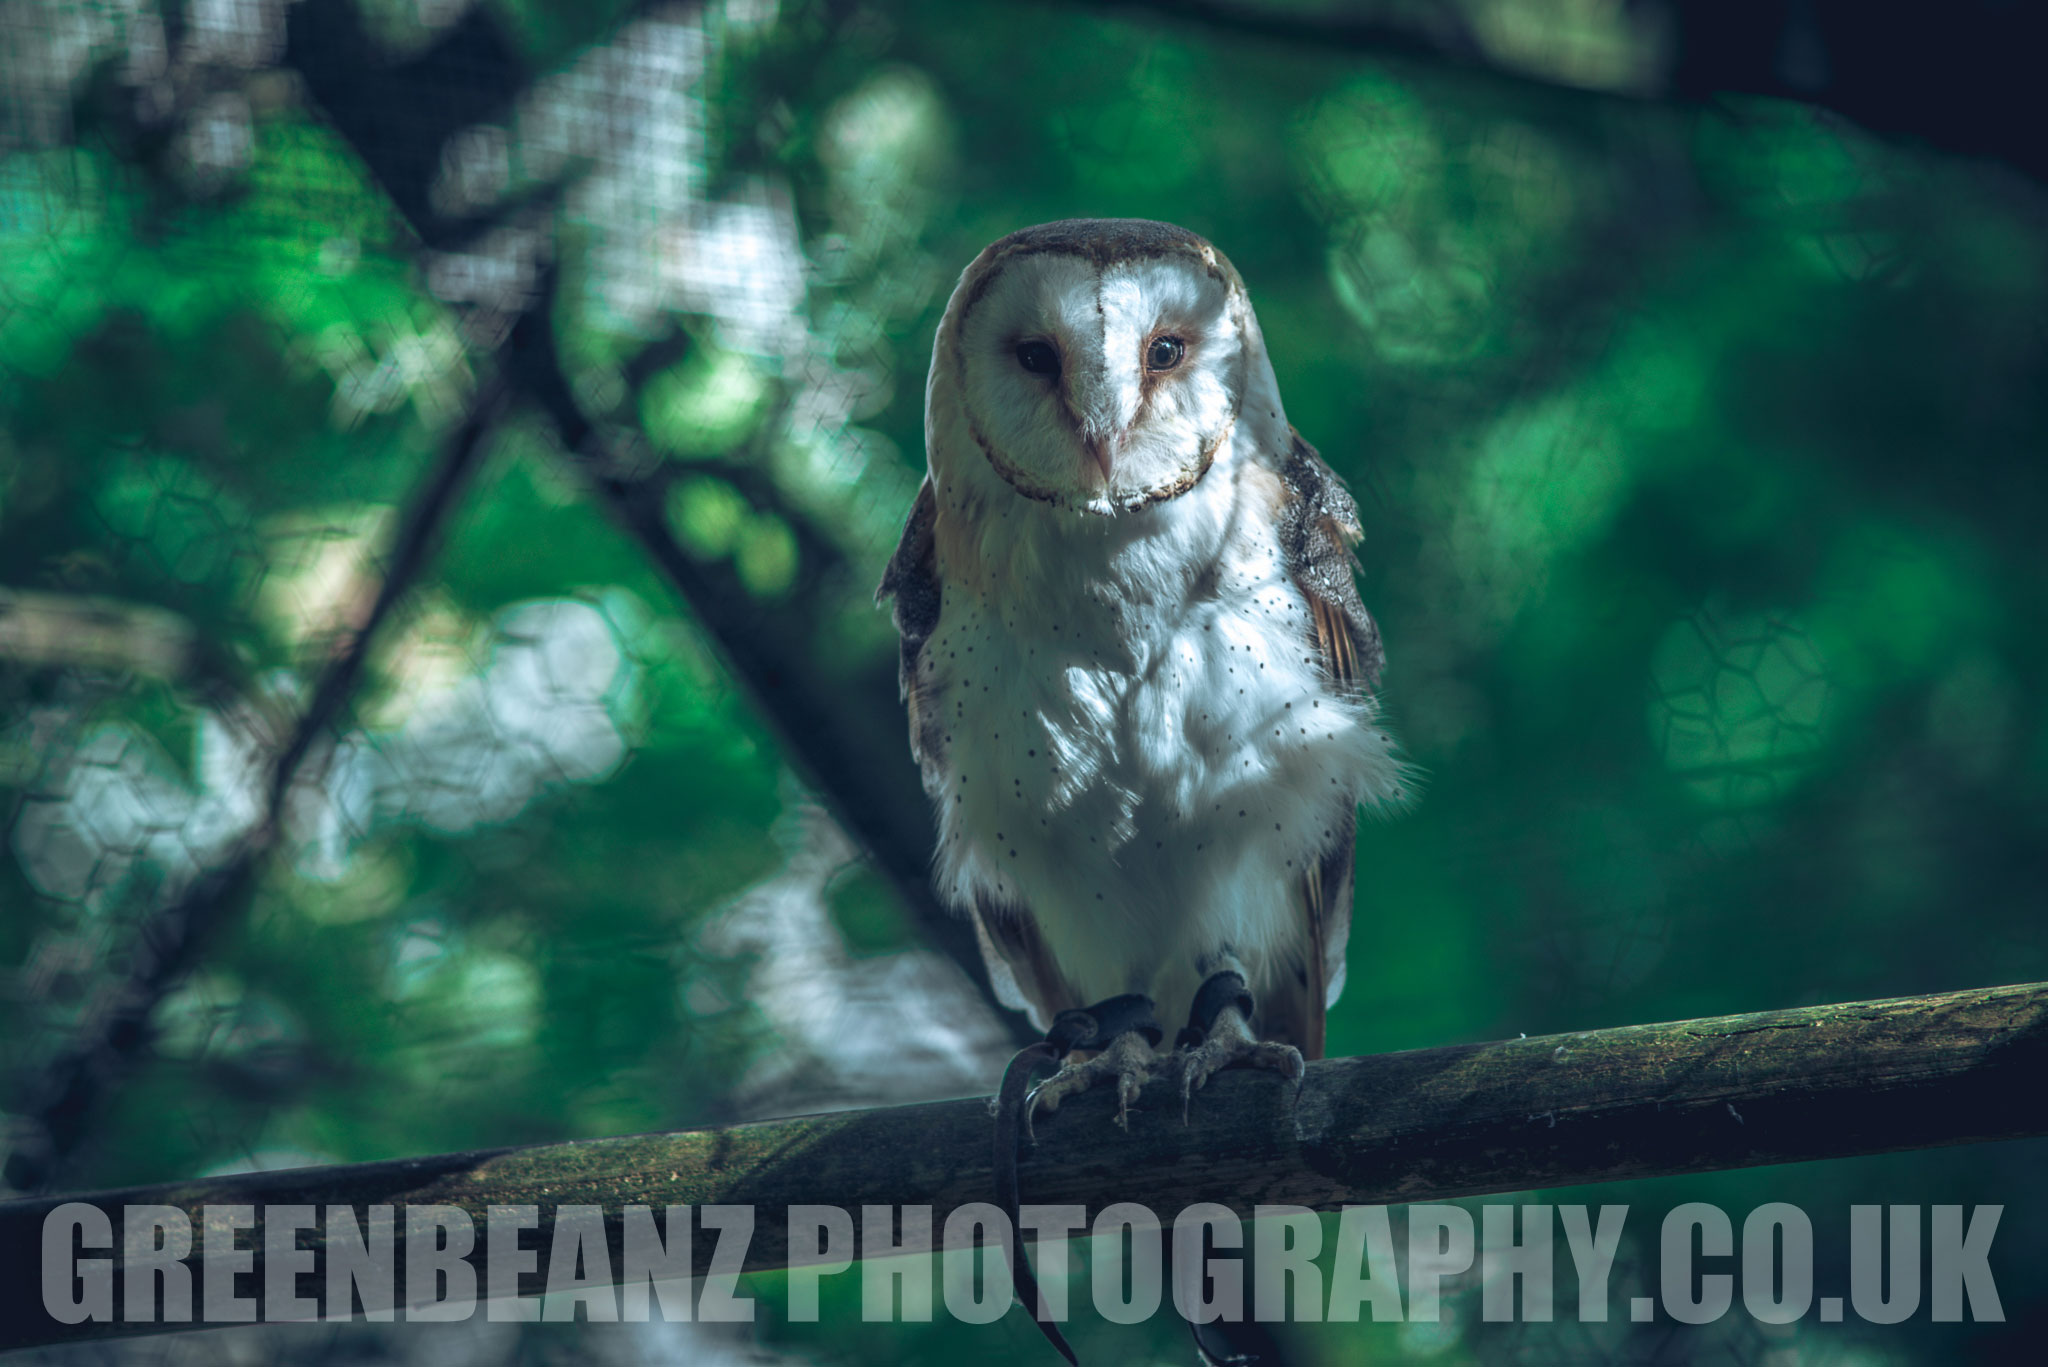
<point x="447" y="451"/>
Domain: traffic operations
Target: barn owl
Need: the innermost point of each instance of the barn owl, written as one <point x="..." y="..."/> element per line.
<point x="1137" y="667"/>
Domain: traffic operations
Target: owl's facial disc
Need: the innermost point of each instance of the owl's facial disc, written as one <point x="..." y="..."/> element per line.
<point x="1102" y="387"/>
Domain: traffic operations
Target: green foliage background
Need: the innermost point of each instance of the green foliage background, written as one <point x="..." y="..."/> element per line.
<point x="1699" y="455"/>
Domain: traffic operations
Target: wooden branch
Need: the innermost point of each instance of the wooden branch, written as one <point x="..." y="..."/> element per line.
<point x="1560" y="1110"/>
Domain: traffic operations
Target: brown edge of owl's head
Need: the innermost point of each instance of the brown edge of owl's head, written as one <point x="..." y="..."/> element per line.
<point x="1102" y="242"/>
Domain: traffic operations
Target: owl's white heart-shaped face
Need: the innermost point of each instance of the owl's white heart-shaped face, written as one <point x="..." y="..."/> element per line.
<point x="1100" y="364"/>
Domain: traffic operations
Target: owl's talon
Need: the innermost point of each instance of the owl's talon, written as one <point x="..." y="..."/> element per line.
<point x="1219" y="1036"/>
<point x="1231" y="1045"/>
<point x="1128" y="1059"/>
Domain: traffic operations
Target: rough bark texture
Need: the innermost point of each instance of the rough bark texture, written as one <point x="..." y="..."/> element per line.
<point x="1639" y="1101"/>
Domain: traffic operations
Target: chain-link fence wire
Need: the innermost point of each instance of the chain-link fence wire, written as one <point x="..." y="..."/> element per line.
<point x="262" y="262"/>
<point x="479" y="717"/>
<point x="549" y="690"/>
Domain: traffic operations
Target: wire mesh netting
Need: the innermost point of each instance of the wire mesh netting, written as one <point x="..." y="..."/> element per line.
<point x="449" y="449"/>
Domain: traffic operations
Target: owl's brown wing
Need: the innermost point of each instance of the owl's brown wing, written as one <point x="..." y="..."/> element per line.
<point x="1020" y="968"/>
<point x="1318" y="528"/>
<point x="912" y="579"/>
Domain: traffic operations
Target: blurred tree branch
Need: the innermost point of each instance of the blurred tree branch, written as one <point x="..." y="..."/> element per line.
<point x="841" y="722"/>
<point x="41" y="629"/>
<point x="1560" y="1110"/>
<point x="1962" y="78"/>
<point x="172" y="937"/>
<point x="1426" y="29"/>
<point x="843" y="726"/>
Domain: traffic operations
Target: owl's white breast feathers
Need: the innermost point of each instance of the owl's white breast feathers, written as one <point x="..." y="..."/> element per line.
<point x="1121" y="697"/>
<point x="1138" y="741"/>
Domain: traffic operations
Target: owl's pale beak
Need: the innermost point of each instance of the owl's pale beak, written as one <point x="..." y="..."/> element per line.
<point x="1099" y="420"/>
<point x="1102" y="450"/>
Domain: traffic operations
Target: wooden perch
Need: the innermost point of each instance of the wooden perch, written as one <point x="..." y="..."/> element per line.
<point x="1560" y="1110"/>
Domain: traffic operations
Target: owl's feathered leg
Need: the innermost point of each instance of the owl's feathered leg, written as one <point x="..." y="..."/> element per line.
<point x="1218" y="1035"/>
<point x="1126" y="1031"/>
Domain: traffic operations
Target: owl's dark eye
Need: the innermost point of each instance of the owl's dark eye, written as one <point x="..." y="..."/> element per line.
<point x="1038" y="357"/>
<point x="1164" y="353"/>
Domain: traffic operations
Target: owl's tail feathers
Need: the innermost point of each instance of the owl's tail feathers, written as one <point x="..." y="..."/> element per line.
<point x="1097" y="1027"/>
